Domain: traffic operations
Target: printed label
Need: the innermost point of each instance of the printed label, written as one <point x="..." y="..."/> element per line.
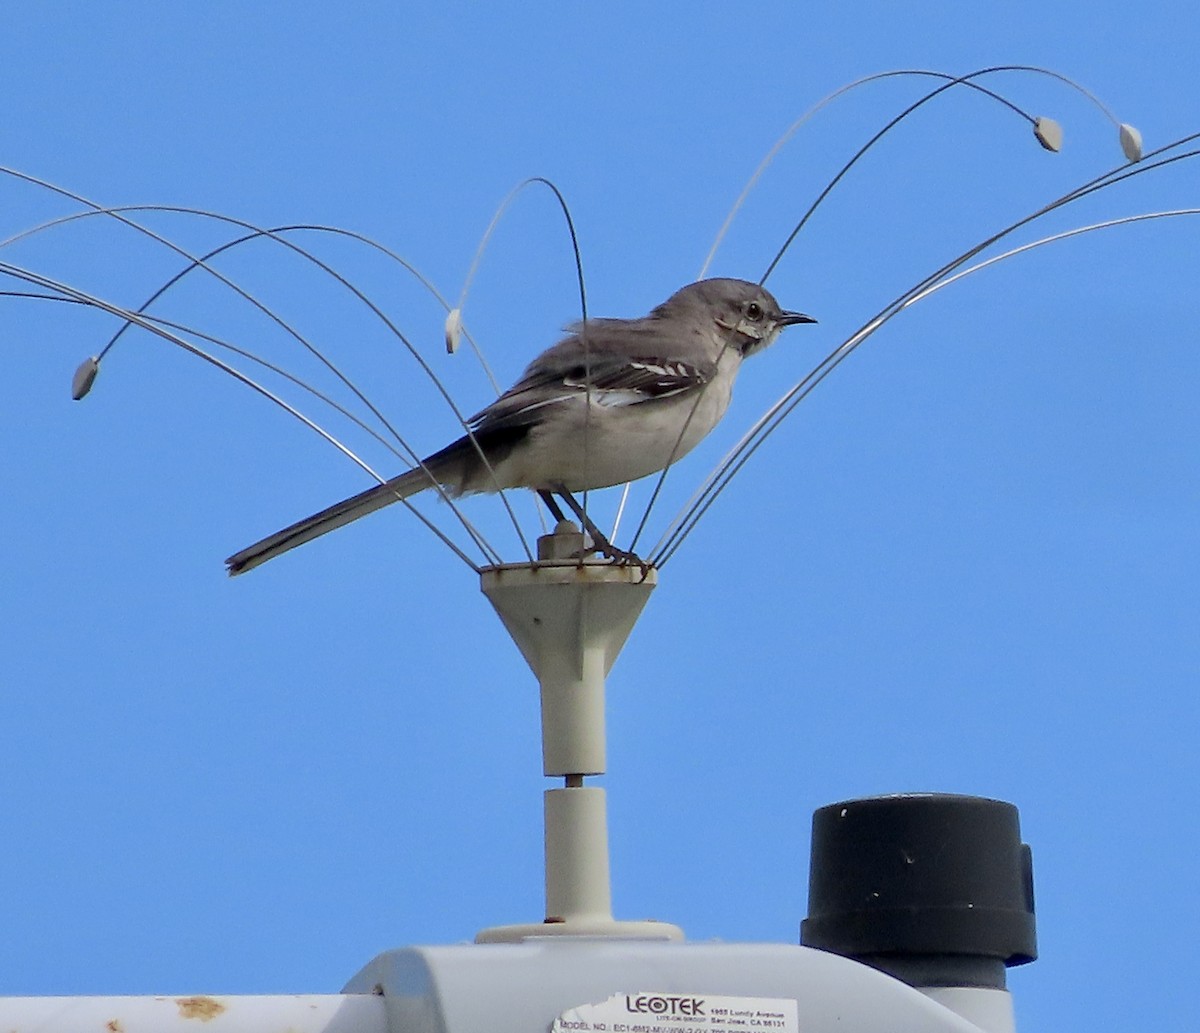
<point x="653" y="1012"/>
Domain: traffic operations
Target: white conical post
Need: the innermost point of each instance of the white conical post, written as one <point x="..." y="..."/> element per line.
<point x="570" y="619"/>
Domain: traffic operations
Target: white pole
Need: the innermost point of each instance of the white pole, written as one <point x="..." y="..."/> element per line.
<point x="570" y="618"/>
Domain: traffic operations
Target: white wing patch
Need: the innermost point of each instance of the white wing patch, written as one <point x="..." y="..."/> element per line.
<point x="610" y="384"/>
<point x="639" y="380"/>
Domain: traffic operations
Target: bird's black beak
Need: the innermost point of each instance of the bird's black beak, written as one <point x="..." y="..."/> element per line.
<point x="792" y="318"/>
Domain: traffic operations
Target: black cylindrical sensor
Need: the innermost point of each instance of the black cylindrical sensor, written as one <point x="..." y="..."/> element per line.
<point x="935" y="889"/>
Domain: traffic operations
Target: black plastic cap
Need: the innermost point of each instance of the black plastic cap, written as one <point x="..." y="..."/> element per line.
<point x="935" y="889"/>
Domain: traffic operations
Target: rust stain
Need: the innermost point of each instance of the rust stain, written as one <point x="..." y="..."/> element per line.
<point x="114" y="1026"/>
<point x="202" y="1008"/>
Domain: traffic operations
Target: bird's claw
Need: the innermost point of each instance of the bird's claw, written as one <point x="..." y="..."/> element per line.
<point x="617" y="556"/>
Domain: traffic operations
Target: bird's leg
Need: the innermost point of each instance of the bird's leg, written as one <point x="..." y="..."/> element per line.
<point x="600" y="543"/>
<point x="554" y="507"/>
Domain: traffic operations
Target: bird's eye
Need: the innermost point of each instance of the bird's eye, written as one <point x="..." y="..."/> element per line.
<point x="754" y="311"/>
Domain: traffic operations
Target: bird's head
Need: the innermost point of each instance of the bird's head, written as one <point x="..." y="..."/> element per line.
<point x="746" y="314"/>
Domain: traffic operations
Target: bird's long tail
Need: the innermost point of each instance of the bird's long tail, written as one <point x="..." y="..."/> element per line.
<point x="459" y="468"/>
<point x="337" y="515"/>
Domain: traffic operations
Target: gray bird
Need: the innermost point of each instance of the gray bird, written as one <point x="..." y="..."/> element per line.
<point x="615" y="401"/>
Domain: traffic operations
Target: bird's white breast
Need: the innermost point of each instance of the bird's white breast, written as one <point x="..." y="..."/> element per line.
<point x="607" y="440"/>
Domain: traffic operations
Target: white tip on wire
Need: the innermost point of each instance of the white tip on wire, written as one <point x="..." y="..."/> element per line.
<point x="1049" y="133"/>
<point x="84" y="377"/>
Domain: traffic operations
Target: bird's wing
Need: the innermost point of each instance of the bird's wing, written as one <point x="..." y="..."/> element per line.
<point x="615" y="362"/>
<point x="627" y="381"/>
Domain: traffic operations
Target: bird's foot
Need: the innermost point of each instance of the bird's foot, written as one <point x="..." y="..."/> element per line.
<point x="595" y="540"/>
<point x="617" y="556"/>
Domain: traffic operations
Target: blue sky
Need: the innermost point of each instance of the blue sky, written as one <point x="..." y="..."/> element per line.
<point x="968" y="562"/>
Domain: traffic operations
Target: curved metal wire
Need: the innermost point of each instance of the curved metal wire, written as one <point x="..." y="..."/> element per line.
<point x="309" y="227"/>
<point x="1038" y="70"/>
<point x="951" y="82"/>
<point x="966" y="80"/>
<point x="740" y="454"/>
<point x="413" y="457"/>
<point x="256" y="231"/>
<point x="720" y="474"/>
<point x="1054" y="238"/>
<point x="501" y="209"/>
<point x="477" y="259"/>
<point x="159" y="329"/>
<point x="244" y="353"/>
<point x="116" y="213"/>
<point x="822" y="103"/>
